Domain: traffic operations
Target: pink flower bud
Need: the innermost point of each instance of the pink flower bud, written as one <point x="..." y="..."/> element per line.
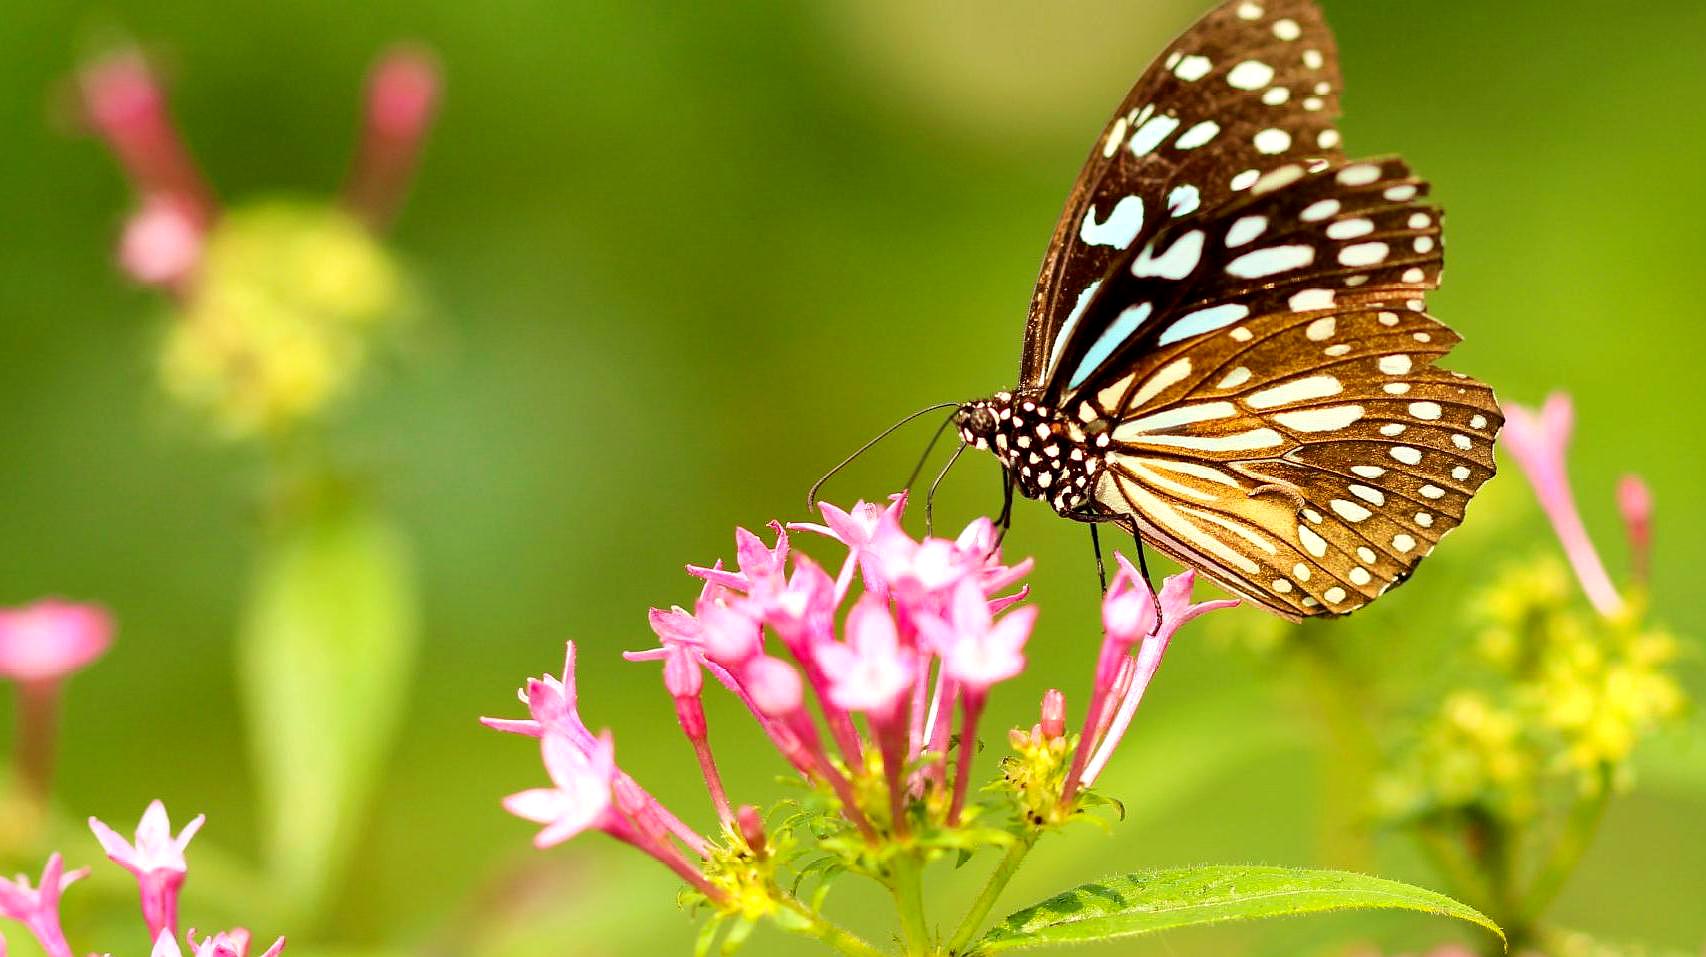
<point x="402" y="94"/>
<point x="774" y="685"/>
<point x="1128" y="610"/>
<point x="1053" y="725"/>
<point x="730" y="635"/>
<point x="1635" y="502"/>
<point x="751" y="825"/>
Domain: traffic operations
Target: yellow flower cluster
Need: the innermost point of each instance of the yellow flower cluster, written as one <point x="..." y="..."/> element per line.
<point x="281" y="318"/>
<point x="1569" y="697"/>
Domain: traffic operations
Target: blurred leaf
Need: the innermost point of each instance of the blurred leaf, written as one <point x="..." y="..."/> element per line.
<point x="1148" y="901"/>
<point x="325" y="656"/>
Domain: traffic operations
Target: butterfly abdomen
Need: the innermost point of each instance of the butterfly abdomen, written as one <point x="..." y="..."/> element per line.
<point x="1049" y="456"/>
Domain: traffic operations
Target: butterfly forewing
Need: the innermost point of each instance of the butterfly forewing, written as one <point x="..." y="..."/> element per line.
<point x="1275" y="417"/>
<point x="1251" y="87"/>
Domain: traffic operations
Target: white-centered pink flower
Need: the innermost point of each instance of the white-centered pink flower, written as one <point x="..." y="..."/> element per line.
<point x="51" y="639"/>
<point x="871" y="670"/>
<point x="157" y="861"/>
<point x="580" y="795"/>
<point x="977" y="650"/>
<point x="1539" y="439"/>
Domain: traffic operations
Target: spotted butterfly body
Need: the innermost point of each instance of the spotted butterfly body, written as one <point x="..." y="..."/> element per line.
<point x="1228" y="351"/>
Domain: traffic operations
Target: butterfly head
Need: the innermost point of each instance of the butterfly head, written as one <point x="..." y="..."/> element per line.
<point x="1049" y="456"/>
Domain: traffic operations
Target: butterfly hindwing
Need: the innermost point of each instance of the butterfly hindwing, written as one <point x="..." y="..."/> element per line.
<point x="1250" y="87"/>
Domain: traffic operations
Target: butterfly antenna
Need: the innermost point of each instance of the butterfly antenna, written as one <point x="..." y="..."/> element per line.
<point x="930" y="498"/>
<point x="811" y="496"/>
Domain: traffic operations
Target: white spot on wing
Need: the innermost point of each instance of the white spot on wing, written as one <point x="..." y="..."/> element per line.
<point x="1295" y="391"/>
<point x="1250" y="75"/>
<point x="1203" y="320"/>
<point x="1320" y="420"/>
<point x="1197" y="135"/>
<point x="1274" y="259"/>
<point x="1121" y="227"/>
<point x="1151" y="134"/>
<point x="1177" y="262"/>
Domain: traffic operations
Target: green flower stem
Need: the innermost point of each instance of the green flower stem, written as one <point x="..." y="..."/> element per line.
<point x="1452" y="860"/>
<point x="38" y="720"/>
<point x="1567" y="851"/>
<point x="907" y="883"/>
<point x="815" y="925"/>
<point x="991" y="892"/>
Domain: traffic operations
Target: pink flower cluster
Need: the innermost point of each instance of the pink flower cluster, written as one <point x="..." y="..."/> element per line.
<point x="1539" y="440"/>
<point x="124" y="102"/>
<point x="842" y="683"/>
<point x="156" y="859"/>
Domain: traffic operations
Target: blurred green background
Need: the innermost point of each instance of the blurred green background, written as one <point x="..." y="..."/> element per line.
<point x="684" y="257"/>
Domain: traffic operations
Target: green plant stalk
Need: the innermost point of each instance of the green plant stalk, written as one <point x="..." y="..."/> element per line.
<point x="1567" y="850"/>
<point x="991" y="892"/>
<point x="1339" y="702"/>
<point x="1452" y="860"/>
<point x="907" y="882"/>
<point x="819" y="927"/>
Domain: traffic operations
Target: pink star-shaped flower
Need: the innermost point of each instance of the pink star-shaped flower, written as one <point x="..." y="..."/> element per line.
<point x="580" y="798"/>
<point x="37" y="908"/>
<point x="871" y="670"/>
<point x="976" y="650"/>
<point x="157" y="860"/>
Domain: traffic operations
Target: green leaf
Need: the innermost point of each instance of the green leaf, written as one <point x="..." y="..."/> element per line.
<point x="325" y="655"/>
<point x="1148" y="901"/>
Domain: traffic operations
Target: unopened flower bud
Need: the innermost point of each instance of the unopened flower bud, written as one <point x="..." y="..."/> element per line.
<point x="691" y="713"/>
<point x="1635" y="502"/>
<point x="774" y="685"/>
<point x="751" y="824"/>
<point x="1053" y="724"/>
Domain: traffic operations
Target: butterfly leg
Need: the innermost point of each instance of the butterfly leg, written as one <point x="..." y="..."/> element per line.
<point x="930" y="497"/>
<point x="1096" y="546"/>
<point x="1005" y="521"/>
<point x="1143" y="566"/>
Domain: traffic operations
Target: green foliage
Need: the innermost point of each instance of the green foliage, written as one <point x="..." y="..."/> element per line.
<point x="326" y="650"/>
<point x="1148" y="901"/>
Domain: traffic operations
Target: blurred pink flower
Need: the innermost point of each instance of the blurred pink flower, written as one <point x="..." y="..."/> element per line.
<point x="234" y="943"/>
<point x="125" y="102"/>
<point x="157" y="860"/>
<point x="51" y="639"/>
<point x="162" y="242"/>
<point x="1538" y="440"/>
<point x="580" y="797"/>
<point x="37" y="908"/>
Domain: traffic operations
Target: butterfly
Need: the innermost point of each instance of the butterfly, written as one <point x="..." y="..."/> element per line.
<point x="1228" y="351"/>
